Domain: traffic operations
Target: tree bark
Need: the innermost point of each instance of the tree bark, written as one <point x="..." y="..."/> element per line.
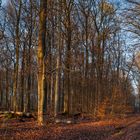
<point x="15" y="86"/>
<point x="41" y="58"/>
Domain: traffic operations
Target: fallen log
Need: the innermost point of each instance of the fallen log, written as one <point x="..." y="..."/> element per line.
<point x="66" y="121"/>
<point x="12" y="114"/>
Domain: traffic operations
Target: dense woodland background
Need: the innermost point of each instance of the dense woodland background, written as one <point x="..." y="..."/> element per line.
<point x="69" y="56"/>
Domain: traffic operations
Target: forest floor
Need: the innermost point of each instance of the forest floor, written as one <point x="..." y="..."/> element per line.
<point x="126" y="128"/>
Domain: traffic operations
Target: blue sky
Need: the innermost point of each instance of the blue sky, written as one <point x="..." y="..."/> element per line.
<point x="4" y="1"/>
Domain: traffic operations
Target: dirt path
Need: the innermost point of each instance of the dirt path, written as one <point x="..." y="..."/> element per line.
<point x="128" y="132"/>
<point x="115" y="129"/>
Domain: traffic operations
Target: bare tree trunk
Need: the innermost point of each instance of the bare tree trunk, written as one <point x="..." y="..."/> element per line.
<point x="7" y="88"/>
<point x="23" y="79"/>
<point x="29" y="78"/>
<point x="57" y="85"/>
<point x="41" y="58"/>
<point x="15" y="86"/>
<point x="1" y="94"/>
<point x="67" y="8"/>
<point x="57" y="82"/>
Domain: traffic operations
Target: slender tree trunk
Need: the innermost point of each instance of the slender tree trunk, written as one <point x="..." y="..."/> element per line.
<point x="7" y="88"/>
<point x="28" y="93"/>
<point x="15" y="86"/>
<point x="57" y="83"/>
<point x="1" y="95"/>
<point x="23" y="83"/>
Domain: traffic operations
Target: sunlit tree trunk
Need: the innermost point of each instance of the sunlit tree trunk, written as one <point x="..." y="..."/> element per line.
<point x="41" y="57"/>
<point x="57" y="85"/>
